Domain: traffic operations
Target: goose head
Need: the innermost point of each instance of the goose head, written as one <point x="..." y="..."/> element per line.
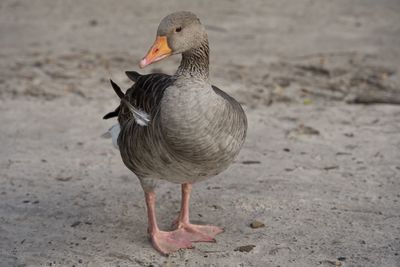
<point x="179" y="32"/>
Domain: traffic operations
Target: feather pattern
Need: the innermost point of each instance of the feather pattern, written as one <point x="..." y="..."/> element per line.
<point x="195" y="132"/>
<point x="189" y="149"/>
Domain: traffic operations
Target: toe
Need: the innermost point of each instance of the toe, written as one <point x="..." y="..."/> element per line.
<point x="209" y="229"/>
<point x="168" y="242"/>
<point x="199" y="233"/>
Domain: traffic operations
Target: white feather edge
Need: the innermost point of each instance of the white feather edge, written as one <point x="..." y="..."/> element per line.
<point x="142" y="118"/>
<point x="113" y="132"/>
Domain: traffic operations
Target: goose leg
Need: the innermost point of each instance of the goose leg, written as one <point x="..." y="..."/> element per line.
<point x="164" y="242"/>
<point x="195" y="233"/>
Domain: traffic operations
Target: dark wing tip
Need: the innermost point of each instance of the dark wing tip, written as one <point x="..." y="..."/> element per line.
<point x="133" y="75"/>
<point x="109" y="115"/>
<point x="112" y="114"/>
<point x="117" y="89"/>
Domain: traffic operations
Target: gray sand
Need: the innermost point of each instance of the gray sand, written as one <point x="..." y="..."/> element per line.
<point x="321" y="172"/>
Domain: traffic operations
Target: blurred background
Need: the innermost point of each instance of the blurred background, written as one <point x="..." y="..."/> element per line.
<point x="319" y="81"/>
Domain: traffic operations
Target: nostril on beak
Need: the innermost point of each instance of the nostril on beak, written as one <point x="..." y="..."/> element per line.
<point x="156" y="50"/>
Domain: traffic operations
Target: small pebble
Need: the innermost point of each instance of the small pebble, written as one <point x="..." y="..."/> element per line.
<point x="327" y="168"/>
<point x="63" y="179"/>
<point x="256" y="224"/>
<point x="248" y="162"/>
<point x="93" y="22"/>
<point x="216" y="207"/>
<point x="246" y="248"/>
<point x="303" y="130"/>
<point x="75" y="224"/>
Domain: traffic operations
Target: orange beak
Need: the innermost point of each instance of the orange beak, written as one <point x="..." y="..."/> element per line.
<point x="158" y="51"/>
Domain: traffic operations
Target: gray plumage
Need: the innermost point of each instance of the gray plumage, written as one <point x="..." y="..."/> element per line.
<point x="196" y="130"/>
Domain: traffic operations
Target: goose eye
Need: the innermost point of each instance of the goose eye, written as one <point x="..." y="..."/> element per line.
<point x="178" y="29"/>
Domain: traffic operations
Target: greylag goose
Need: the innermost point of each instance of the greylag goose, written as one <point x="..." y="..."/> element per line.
<point x="178" y="128"/>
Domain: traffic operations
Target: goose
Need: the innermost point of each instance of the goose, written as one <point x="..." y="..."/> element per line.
<point x="177" y="128"/>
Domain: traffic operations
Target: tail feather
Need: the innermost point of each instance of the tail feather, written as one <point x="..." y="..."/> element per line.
<point x="112" y="114"/>
<point x="141" y="117"/>
<point x="133" y="75"/>
<point x="117" y="89"/>
<point x="120" y="94"/>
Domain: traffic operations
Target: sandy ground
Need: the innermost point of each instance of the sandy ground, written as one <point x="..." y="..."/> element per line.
<point x="319" y="170"/>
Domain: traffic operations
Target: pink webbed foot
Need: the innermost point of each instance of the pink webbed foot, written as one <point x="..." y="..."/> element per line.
<point x="168" y="242"/>
<point x="194" y="232"/>
<point x="199" y="233"/>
